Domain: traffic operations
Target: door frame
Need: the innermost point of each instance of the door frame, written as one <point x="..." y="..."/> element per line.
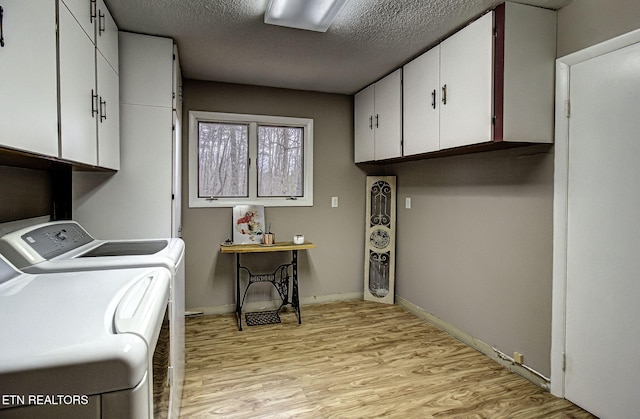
<point x="560" y="198"/>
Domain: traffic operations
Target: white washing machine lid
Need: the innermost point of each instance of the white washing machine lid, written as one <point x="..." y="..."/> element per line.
<point x="79" y="332"/>
<point x="64" y="246"/>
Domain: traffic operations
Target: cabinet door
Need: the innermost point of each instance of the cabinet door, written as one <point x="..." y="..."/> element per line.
<point x="78" y="97"/>
<point x="388" y="116"/>
<point x="85" y="12"/>
<point x="28" y="103"/>
<point x="364" y="129"/>
<point x="466" y="76"/>
<point x="421" y="103"/>
<point x="109" y="115"/>
<point x="146" y="73"/>
<point x="107" y="36"/>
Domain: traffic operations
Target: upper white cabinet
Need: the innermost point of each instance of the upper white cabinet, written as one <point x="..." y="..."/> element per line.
<point x="466" y="75"/>
<point x="89" y="87"/>
<point x="491" y="82"/>
<point x="421" y="103"/>
<point x="378" y="119"/>
<point x="29" y="105"/>
<point x="150" y="81"/>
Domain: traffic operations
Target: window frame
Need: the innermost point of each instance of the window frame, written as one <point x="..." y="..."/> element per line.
<point x="195" y="117"/>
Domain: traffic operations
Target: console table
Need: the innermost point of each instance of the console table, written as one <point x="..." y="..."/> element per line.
<point x="279" y="278"/>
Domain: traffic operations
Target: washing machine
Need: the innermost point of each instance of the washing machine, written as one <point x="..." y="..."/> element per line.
<point x="65" y="246"/>
<point x="82" y="344"/>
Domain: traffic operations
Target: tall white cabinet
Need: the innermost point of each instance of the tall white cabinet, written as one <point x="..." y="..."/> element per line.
<point x="378" y="119"/>
<point x="139" y="201"/>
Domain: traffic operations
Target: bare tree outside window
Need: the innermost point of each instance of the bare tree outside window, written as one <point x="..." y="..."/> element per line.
<point x="222" y="159"/>
<point x="280" y="161"/>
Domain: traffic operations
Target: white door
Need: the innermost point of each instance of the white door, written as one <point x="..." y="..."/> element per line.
<point x="421" y="103"/>
<point x="603" y="235"/>
<point x="466" y="78"/>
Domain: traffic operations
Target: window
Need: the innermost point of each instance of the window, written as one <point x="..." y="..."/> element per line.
<point x="249" y="159"/>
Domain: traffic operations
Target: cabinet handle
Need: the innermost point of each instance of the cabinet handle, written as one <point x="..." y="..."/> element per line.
<point x="444" y="94"/>
<point x="433" y="99"/>
<point x="101" y="23"/>
<point x="370" y="121"/>
<point x="376" y="120"/>
<point x="1" y="30"/>
<point x="94" y="104"/>
<point x="92" y="10"/>
<point x="103" y="109"/>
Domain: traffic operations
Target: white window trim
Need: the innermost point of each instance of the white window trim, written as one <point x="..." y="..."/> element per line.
<point x="253" y="121"/>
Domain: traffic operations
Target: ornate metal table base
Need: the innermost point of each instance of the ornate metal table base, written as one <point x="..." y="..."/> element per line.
<point x="285" y="276"/>
<point x="280" y="280"/>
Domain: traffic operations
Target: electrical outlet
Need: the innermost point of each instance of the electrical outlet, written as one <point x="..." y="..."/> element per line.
<point x="334" y="202"/>
<point x="518" y="358"/>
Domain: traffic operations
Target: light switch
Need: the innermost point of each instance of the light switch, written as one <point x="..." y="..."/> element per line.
<point x="407" y="202"/>
<point x="334" y="202"/>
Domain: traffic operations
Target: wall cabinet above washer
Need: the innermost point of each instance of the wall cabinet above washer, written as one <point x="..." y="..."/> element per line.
<point x="29" y="104"/>
<point x="89" y="86"/>
<point x="75" y="49"/>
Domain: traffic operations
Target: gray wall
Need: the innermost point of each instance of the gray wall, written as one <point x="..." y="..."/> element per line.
<point x="475" y="248"/>
<point x="335" y="266"/>
<point x="583" y="23"/>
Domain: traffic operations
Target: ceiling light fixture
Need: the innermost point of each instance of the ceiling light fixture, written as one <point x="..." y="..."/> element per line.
<point x="311" y="15"/>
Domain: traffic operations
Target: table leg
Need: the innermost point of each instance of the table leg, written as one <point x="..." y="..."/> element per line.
<point x="295" y="298"/>
<point x="238" y="302"/>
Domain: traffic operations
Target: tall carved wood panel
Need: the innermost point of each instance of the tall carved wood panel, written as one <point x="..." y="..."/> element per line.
<point x="380" y="239"/>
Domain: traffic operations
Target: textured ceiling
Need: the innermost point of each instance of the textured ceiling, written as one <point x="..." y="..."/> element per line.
<point x="227" y="40"/>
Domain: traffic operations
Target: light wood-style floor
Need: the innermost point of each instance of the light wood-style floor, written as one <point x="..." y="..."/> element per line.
<point x="350" y="360"/>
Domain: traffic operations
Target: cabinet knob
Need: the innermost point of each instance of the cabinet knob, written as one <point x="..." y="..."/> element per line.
<point x="433" y="99"/>
<point x="370" y="121"/>
<point x="376" y="120"/>
<point x="444" y="94"/>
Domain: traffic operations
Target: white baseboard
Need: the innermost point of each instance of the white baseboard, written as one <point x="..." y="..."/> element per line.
<point x="480" y="346"/>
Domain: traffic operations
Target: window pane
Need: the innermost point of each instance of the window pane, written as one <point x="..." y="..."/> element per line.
<point x="222" y="160"/>
<point x="280" y="161"/>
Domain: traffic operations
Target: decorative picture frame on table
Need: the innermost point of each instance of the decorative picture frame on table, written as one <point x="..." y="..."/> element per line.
<point x="248" y="224"/>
